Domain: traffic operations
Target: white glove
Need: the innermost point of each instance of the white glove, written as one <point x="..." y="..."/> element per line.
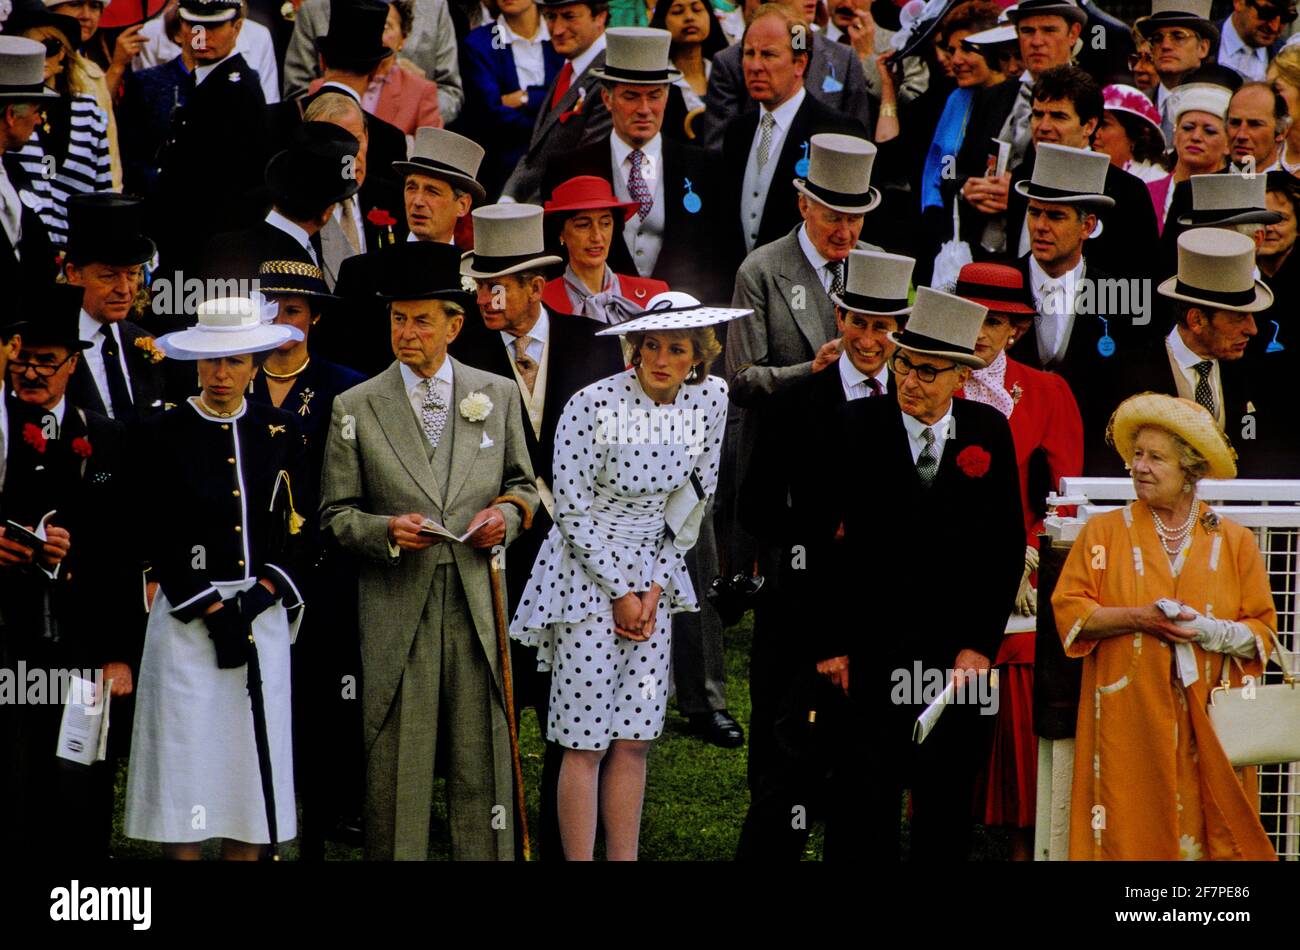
<point x="1027" y="596"/>
<point x="1217" y="636"/>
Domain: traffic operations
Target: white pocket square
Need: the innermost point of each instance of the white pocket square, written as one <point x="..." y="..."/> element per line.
<point x="487" y="442"/>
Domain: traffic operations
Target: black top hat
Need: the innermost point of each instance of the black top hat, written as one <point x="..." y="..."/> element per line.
<point x="422" y="270"/>
<point x="58" y="308"/>
<point x="355" y="41"/>
<point x="106" y="228"/>
<point x="31" y="14"/>
<point x="315" y="171"/>
<point x="275" y="278"/>
<point x="1068" y="9"/>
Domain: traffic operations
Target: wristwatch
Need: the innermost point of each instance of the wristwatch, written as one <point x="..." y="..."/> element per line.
<point x="524" y="93"/>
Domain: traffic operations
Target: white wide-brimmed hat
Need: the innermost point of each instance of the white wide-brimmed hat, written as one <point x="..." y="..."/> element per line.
<point x="943" y="325"/>
<point x="507" y="239"/>
<point x="839" y="173"/>
<point x="877" y="283"/>
<point x="1228" y="198"/>
<point x="1188" y="420"/>
<point x="1200" y="97"/>
<point x="446" y="155"/>
<point x="228" y="326"/>
<point x="1068" y="176"/>
<point x="637" y="55"/>
<point x="674" y="310"/>
<point x="1216" y="269"/>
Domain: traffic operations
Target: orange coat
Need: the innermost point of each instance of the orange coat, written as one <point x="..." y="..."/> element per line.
<point x="1151" y="781"/>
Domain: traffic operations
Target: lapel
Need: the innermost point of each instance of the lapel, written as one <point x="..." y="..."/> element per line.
<point x="393" y="410"/>
<point x="82" y="390"/>
<point x="797" y="275"/>
<point x="506" y="63"/>
<point x="549" y="116"/>
<point x="467" y="436"/>
<point x="141" y="370"/>
<point x="334" y="250"/>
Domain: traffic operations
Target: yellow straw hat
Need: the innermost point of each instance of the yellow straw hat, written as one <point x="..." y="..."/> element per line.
<point x="1188" y="420"/>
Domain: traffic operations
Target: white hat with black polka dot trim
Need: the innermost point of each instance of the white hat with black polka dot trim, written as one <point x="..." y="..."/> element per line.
<point x="674" y="310"/>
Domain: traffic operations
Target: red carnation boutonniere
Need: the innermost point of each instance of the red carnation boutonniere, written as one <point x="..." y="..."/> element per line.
<point x="81" y="446"/>
<point x="380" y="218"/>
<point x="973" y="461"/>
<point x="34" y="436"/>
<point x="577" y="109"/>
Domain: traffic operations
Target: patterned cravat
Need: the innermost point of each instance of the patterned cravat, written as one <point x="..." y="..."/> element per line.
<point x="433" y="413"/>
<point x="927" y="463"/>
<point x="637" y="187"/>
<point x="1204" y="394"/>
<point x="765" y="138"/>
<point x="836" y="269"/>
<point x="527" y="368"/>
<point x="349" y="225"/>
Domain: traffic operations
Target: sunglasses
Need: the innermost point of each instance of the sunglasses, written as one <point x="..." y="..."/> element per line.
<point x="1267" y="12"/>
<point x="1137" y="59"/>
<point x="53" y="46"/>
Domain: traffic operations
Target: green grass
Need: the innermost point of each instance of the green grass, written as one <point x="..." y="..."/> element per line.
<point x="696" y="795"/>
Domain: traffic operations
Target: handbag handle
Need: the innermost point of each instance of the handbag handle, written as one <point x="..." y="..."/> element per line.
<point x="1288" y="676"/>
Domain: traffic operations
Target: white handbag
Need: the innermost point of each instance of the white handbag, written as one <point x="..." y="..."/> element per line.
<point x="1259" y="724"/>
<point x="684" y="512"/>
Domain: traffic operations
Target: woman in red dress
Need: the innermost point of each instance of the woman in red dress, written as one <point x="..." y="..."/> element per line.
<point x="583" y="212"/>
<point x="1048" y="432"/>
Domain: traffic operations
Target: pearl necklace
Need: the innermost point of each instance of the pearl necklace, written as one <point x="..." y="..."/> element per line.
<point x="217" y="413"/>
<point x="1175" y="536"/>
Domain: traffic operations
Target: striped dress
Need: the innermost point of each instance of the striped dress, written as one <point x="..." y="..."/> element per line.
<point x="86" y="167"/>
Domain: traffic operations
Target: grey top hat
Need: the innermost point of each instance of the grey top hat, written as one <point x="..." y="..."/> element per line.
<point x="1227" y="199"/>
<point x="877" y="283"/>
<point x="508" y="238"/>
<point x="839" y="173"/>
<point x="1193" y="14"/>
<point x="1068" y="176"/>
<point x="943" y="325"/>
<point x="637" y="55"/>
<point x="446" y="155"/>
<point x="22" y="70"/>
<point x="1216" y="269"/>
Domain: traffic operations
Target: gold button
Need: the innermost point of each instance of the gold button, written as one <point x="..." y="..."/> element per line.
<point x="241" y="563"/>
<point x="231" y="461"/>
<point x="225" y="425"/>
<point x="238" y="529"/>
<point x="235" y="493"/>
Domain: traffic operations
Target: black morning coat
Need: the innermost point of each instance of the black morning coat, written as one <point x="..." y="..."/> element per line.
<point x="576" y="359"/>
<point x="215" y="488"/>
<point x="146" y="378"/>
<point x="34" y="258"/>
<point x="943" y="563"/>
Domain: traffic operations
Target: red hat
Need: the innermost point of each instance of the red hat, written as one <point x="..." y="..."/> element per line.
<point x="999" y="287"/>
<point x="588" y="193"/>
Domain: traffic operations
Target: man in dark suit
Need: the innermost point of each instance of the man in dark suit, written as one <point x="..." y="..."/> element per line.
<point x="573" y="114"/>
<point x="118" y="375"/>
<point x="150" y="98"/>
<point x="948" y="468"/>
<point x="787" y="751"/>
<point x="673" y="235"/>
<point x="215" y="147"/>
<point x="833" y="76"/>
<point x="550" y="357"/>
<point x="25" y="250"/>
<point x="1067" y="106"/>
<point x="1204" y="357"/>
<point x="1232" y="199"/>
<point x="767" y="148"/>
<point x="97" y="614"/>
<point x="1251" y="36"/>
<point x="306" y="181"/>
<point x="1181" y="37"/>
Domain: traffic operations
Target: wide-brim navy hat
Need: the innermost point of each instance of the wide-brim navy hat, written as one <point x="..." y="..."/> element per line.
<point x="316" y="170"/>
<point x="422" y="270"/>
<point x="106" y="228"/>
<point x="31" y="14"/>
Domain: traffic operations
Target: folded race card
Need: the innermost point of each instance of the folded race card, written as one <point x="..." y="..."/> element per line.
<point x="432" y="527"/>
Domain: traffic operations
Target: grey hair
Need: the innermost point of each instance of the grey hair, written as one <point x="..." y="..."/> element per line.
<point x="1193" y="463"/>
<point x="452" y="309"/>
<point x="22" y="109"/>
<point x="332" y="106"/>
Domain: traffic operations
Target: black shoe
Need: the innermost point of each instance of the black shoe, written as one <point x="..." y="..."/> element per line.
<point x="718" y="728"/>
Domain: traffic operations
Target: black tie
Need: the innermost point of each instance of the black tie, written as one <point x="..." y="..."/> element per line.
<point x="119" y="394"/>
<point x="316" y="246"/>
<point x="874" y="385"/>
<point x="1204" y="394"/>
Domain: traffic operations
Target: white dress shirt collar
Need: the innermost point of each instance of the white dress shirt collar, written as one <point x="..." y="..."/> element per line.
<point x="411" y="379"/>
<point x="783" y="115"/>
<point x="1039" y="277"/>
<point x="202" y="72"/>
<point x="583" y="60"/>
<point x="88" y="328"/>
<point x="1183" y="354"/>
<point x="810" y="251"/>
<point x="333" y="86"/>
<point x="538" y="334"/>
<point x="854" y="380"/>
<point x="276" y="220"/>
<point x="944" y="429"/>
<point x="651" y="150"/>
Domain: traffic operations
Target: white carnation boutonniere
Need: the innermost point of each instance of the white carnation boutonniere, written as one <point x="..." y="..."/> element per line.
<point x="476" y="407"/>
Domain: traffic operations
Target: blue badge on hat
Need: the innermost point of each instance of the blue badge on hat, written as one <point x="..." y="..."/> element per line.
<point x="1273" y="345"/>
<point x="830" y="83"/>
<point x="801" y="166"/>
<point x="1106" y="345"/>
<point x="691" y="201"/>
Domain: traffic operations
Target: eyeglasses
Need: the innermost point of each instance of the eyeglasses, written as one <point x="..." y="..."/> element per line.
<point x="43" y="370"/>
<point x="1267" y="12"/>
<point x="900" y="365"/>
<point x="1177" y="37"/>
<point x="1137" y="59"/>
<point x="53" y="46"/>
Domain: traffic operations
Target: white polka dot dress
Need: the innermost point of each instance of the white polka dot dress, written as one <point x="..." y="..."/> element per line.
<point x="618" y="456"/>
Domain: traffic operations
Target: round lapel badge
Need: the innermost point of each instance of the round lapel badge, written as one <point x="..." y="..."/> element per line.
<point x="801" y="166"/>
<point x="691" y="201"/>
<point x="1105" y="345"/>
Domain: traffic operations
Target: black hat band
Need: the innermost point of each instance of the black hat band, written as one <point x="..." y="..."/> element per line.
<point x="919" y="341"/>
<point x="489" y="264"/>
<point x="1047" y="193"/>
<point x="436" y="166"/>
<point x="826" y="196"/>
<point x="966" y="288"/>
<point x="864" y="303"/>
<point x="635" y="75"/>
<point x="1219" y="296"/>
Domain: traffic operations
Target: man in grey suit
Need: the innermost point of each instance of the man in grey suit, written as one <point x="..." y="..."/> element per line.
<point x="431" y="46"/>
<point x="429" y="438"/>
<point x="573" y="115"/>
<point x="834" y="77"/>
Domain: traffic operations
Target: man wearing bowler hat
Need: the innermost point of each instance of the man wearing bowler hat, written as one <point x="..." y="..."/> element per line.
<point x="430" y="439"/>
<point x="25" y="249"/>
<point x="948" y="468"/>
<point x="787" y="755"/>
<point x="550" y="356"/>
<point x="119" y="373"/>
<point x="673" y="234"/>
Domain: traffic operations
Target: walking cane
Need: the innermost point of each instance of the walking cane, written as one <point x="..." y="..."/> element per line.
<point x="263" y="744"/>
<point x="507" y="679"/>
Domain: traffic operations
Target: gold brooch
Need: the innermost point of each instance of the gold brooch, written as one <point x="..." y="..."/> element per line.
<point x="275" y="430"/>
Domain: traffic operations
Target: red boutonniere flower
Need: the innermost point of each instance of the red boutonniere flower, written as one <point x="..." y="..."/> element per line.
<point x="380" y="218"/>
<point x="81" y="446"/>
<point x="577" y="109"/>
<point x="973" y="461"/>
<point x="34" y="436"/>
